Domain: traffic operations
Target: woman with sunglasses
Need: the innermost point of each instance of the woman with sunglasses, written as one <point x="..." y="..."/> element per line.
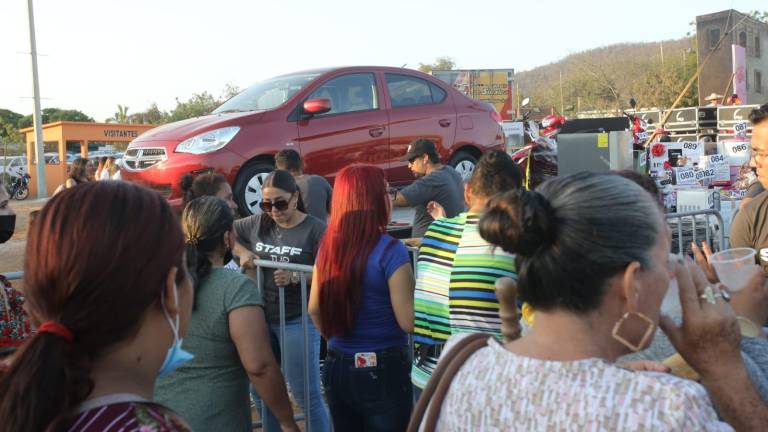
<point x="285" y="233"/>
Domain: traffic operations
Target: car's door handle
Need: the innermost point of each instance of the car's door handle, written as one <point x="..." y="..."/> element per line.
<point x="444" y="122"/>
<point x="376" y="132"/>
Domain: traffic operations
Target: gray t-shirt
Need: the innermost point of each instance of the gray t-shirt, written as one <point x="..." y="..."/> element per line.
<point x="316" y="193"/>
<point x="210" y="392"/>
<point x="297" y="245"/>
<point x="444" y="186"/>
<point x="750" y="228"/>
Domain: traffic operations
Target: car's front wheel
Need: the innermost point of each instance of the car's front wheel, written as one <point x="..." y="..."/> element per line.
<point x="464" y="163"/>
<point x="248" y="186"/>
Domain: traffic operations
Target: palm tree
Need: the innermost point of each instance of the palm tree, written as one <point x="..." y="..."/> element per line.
<point x="121" y="116"/>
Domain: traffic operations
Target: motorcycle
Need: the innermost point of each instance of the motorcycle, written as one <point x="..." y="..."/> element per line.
<point x="538" y="158"/>
<point x="19" y="187"/>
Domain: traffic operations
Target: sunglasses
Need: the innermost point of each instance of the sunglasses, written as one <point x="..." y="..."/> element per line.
<point x="279" y="205"/>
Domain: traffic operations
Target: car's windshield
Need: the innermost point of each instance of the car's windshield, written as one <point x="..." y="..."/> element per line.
<point x="268" y="94"/>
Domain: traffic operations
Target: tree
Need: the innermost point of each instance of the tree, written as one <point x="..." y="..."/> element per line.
<point x="121" y="116"/>
<point x="51" y="115"/>
<point x="199" y="104"/>
<point x="440" y="63"/>
<point x="153" y="115"/>
<point x="760" y="16"/>
<point x="230" y="90"/>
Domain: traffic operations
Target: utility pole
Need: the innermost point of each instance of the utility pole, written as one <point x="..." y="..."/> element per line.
<point x="661" y="48"/>
<point x="562" y="106"/>
<point x="42" y="190"/>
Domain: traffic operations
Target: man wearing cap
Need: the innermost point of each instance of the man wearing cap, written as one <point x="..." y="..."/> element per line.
<point x="434" y="182"/>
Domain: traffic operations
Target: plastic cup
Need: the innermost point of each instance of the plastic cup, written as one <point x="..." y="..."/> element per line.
<point x="734" y="267"/>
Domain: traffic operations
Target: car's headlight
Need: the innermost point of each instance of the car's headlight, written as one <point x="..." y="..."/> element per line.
<point x="208" y="141"/>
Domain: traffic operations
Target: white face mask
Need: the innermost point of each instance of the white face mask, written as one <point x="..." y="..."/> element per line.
<point x="176" y="355"/>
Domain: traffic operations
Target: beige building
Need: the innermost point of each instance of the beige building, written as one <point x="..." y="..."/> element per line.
<point x="749" y="33"/>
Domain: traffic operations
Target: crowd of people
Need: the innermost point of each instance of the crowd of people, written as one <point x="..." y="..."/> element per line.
<point x="84" y="170"/>
<point x="529" y="310"/>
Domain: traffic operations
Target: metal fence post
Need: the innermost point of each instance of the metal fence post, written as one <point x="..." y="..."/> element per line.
<point x="308" y="361"/>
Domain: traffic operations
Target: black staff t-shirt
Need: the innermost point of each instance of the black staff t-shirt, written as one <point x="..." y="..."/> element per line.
<point x="297" y="245"/>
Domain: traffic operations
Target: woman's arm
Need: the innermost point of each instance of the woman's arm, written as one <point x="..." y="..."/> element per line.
<point x="314" y="301"/>
<point x="248" y="330"/>
<point x="401" y="286"/>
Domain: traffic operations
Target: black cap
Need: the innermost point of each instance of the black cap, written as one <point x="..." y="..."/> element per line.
<point x="418" y="148"/>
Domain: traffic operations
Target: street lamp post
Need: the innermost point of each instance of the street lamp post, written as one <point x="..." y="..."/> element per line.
<point x="42" y="190"/>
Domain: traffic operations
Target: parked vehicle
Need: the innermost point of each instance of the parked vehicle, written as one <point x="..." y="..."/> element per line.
<point x="332" y="117"/>
<point x="18" y="188"/>
<point x="14" y="166"/>
<point x="538" y="158"/>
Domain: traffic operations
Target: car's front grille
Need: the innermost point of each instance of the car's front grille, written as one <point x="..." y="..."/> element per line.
<point x="138" y="159"/>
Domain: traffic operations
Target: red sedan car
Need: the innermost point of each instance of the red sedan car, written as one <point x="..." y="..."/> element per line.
<point x="332" y="117"/>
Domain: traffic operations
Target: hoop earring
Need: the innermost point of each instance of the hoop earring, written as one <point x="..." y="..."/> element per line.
<point x="617" y="330"/>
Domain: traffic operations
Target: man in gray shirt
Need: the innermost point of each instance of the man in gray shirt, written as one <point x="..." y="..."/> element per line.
<point x="315" y="190"/>
<point x="434" y="182"/>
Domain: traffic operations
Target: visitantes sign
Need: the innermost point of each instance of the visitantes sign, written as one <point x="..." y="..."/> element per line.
<point x="120" y="133"/>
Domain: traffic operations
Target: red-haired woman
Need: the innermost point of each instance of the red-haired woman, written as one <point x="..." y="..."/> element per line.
<point x="111" y="315"/>
<point x="362" y="300"/>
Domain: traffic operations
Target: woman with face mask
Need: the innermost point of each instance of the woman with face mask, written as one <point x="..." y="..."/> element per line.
<point x="110" y="317"/>
<point x="227" y="334"/>
<point x="285" y="233"/>
<point x="14" y="322"/>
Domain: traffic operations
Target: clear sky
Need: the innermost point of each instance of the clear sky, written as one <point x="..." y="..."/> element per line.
<point x="96" y="54"/>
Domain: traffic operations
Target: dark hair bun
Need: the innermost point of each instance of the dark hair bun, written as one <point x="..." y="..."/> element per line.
<point x="520" y="222"/>
<point x="186" y="182"/>
<point x="538" y="229"/>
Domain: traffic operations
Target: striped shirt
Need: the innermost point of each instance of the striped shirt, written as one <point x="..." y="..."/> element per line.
<point x="472" y="294"/>
<point x="455" y="288"/>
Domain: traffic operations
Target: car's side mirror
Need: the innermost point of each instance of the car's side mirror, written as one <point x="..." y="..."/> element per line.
<point x="317" y="106"/>
<point x="525" y="102"/>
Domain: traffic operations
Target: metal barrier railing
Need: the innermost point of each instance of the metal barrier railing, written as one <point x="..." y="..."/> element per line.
<point x="303" y="271"/>
<point x="699" y="229"/>
<point x="11" y="276"/>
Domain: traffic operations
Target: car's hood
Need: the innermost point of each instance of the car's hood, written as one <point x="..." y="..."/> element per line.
<point x="181" y="130"/>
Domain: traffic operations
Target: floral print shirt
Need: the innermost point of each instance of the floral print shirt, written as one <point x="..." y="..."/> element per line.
<point x="127" y="417"/>
<point x="14" y="322"/>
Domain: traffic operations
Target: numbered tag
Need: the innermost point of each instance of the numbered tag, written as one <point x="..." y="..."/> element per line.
<point x="692" y="149"/>
<point x="685" y="176"/>
<point x="705" y="174"/>
<point x="716" y="159"/>
<point x="642" y="136"/>
<point x="737" y="149"/>
<point x="741" y="127"/>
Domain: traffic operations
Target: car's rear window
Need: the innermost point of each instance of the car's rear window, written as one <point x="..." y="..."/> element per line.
<point x="267" y="94"/>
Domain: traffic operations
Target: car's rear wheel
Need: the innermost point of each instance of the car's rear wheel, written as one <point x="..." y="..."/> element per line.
<point x="248" y="187"/>
<point x="464" y="163"/>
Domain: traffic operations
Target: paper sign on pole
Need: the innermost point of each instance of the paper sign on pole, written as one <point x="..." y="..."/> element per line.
<point x="741" y="129"/>
<point x="685" y="176"/>
<point x="738" y="152"/>
<point x="693" y="149"/>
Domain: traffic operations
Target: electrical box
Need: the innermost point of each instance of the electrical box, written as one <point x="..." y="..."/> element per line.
<point x="595" y="152"/>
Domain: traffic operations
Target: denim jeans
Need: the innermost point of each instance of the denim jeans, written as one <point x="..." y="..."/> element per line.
<point x="294" y="373"/>
<point x="369" y="399"/>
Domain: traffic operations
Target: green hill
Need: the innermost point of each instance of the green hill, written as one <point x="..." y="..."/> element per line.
<point x="606" y="77"/>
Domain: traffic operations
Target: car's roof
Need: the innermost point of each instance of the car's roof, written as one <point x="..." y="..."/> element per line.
<point x="326" y="70"/>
